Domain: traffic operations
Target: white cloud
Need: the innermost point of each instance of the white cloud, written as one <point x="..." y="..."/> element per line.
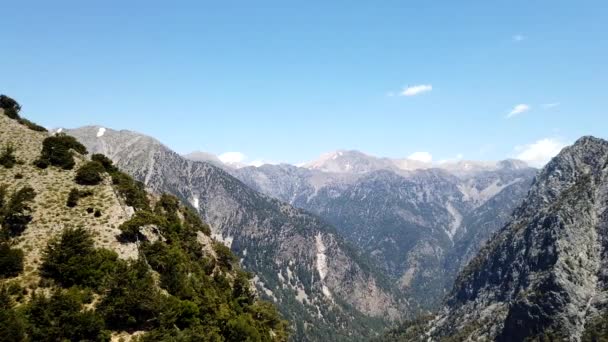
<point x="540" y="152"/>
<point x="518" y="38"/>
<point x="260" y="162"/>
<point x="238" y="160"/>
<point x="232" y="157"/>
<point x="457" y="158"/>
<point x="424" y="157"/>
<point x="416" y="90"/>
<point x="550" y="105"/>
<point x="257" y="163"/>
<point x="519" y="109"/>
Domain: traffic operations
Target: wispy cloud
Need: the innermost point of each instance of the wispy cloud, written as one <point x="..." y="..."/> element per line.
<point x="424" y="157"/>
<point x="518" y="38"/>
<point x="232" y="157"/>
<point x="416" y="90"/>
<point x="539" y="152"/>
<point x="457" y="158"/>
<point x="239" y="159"/>
<point x="518" y="109"/>
<point x="550" y="105"/>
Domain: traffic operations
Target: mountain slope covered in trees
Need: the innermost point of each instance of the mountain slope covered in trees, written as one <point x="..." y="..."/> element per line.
<point x="86" y="254"/>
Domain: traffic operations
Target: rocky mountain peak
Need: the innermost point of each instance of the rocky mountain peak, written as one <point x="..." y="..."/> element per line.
<point x="348" y="161"/>
<point x="512" y="164"/>
<point x="544" y="274"/>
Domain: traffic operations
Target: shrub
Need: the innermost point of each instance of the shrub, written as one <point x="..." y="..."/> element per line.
<point x="12" y="109"/>
<point x="225" y="258"/>
<point x="168" y="205"/>
<point x="7" y="156"/>
<point x="242" y="328"/>
<point x="33" y="126"/>
<point x="173" y="266"/>
<point x="9" y="103"/>
<point x="15" y="214"/>
<point x="130" y="228"/>
<point x="61" y="317"/>
<point x="76" y="195"/>
<point x="90" y="173"/>
<point x="56" y="152"/>
<point x="11" y="261"/>
<point x="193" y="220"/>
<point x="41" y="163"/>
<point x="12" y="323"/>
<point x="132" y="191"/>
<point x="72" y="260"/>
<point x="105" y="161"/>
<point x="132" y="300"/>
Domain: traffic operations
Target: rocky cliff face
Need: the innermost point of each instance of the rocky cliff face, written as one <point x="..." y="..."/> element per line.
<point x="420" y="226"/>
<point x="318" y="281"/>
<point x="544" y="273"/>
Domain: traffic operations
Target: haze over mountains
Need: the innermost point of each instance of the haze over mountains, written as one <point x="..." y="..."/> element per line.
<point x="350" y="244"/>
<point x="391" y="237"/>
<point x="320" y="283"/>
<point x="420" y="221"/>
<point x="542" y="277"/>
<point x="419" y="225"/>
<point x="353" y="161"/>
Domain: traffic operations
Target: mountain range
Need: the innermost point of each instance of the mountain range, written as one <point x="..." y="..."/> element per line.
<point x="499" y="251"/>
<point x="403" y="234"/>
<point x="420" y="226"/>
<point x="328" y="289"/>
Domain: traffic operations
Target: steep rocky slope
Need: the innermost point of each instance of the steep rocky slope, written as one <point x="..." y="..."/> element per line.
<point x="319" y="281"/>
<point x="68" y="271"/>
<point x="421" y="226"/>
<point x="544" y="274"/>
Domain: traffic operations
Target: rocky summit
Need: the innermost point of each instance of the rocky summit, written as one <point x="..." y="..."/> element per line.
<point x="543" y="276"/>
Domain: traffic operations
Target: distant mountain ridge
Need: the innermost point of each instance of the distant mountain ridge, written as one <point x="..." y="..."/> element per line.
<point x="420" y="221"/>
<point x="318" y="281"/>
<point x="357" y="162"/>
<point x="421" y="226"/>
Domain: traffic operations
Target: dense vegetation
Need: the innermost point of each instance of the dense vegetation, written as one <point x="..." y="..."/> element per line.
<point x="15" y="212"/>
<point x="90" y="173"/>
<point x="73" y="260"/>
<point x="57" y="151"/>
<point x="7" y="157"/>
<point x="178" y="289"/>
<point x="11" y="260"/>
<point x="407" y="331"/>
<point x="198" y="297"/>
<point x="14" y="217"/>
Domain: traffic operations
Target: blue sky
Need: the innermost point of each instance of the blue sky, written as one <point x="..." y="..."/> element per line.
<point x="286" y="80"/>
